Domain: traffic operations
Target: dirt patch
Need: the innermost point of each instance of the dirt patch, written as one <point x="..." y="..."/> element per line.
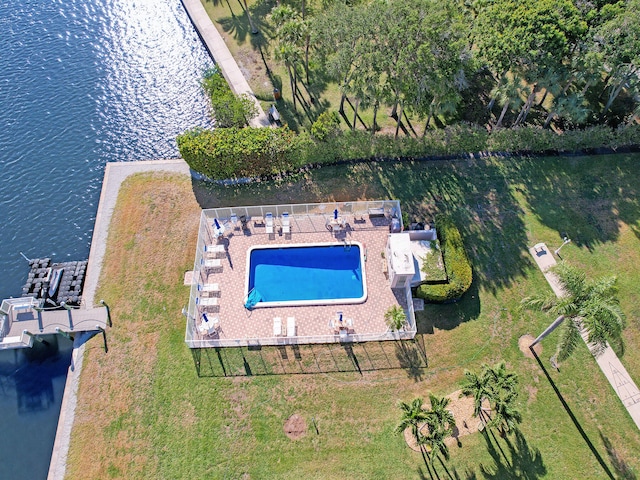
<point x="524" y="341"/>
<point x="295" y="427"/>
<point x="466" y="423"/>
<point x="533" y="393"/>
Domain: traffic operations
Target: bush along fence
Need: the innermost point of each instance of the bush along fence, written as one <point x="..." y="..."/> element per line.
<point x="456" y="264"/>
<point x="227" y="109"/>
<point x="229" y="153"/>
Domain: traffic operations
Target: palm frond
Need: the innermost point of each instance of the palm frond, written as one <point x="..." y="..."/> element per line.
<point x="573" y="280"/>
<point x="542" y="302"/>
<point x="475" y="386"/>
<point x="412" y="415"/>
<point x="606" y="287"/>
<point x="569" y="340"/>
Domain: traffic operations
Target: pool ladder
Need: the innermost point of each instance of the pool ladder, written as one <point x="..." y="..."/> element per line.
<point x="347" y="245"/>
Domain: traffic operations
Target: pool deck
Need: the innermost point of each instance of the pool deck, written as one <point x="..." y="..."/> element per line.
<point x="312" y="322"/>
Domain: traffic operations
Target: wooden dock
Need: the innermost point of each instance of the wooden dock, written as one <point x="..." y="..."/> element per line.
<point x="22" y="321"/>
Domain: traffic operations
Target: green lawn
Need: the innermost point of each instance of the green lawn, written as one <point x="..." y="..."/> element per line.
<point x="144" y="412"/>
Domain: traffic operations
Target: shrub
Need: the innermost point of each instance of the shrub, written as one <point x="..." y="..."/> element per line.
<point x="327" y="126"/>
<point x="628" y="135"/>
<point x="227" y="109"/>
<point x="239" y="152"/>
<point x="456" y="264"/>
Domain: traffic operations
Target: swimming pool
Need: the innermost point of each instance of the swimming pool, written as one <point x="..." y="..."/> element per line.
<point x="306" y="274"/>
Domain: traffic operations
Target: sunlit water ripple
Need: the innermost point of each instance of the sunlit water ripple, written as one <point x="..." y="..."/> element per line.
<point x="82" y="83"/>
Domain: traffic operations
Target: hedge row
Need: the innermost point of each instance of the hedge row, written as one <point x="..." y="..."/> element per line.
<point x="456" y="264"/>
<point x="219" y="154"/>
<point x="239" y="152"/>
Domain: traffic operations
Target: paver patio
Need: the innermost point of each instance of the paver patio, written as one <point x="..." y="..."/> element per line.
<point x="248" y="327"/>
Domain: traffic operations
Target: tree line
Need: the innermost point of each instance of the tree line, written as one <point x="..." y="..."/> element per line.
<point x="499" y="63"/>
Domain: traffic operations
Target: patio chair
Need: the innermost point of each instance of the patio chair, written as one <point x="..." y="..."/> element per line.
<point x="209" y="287"/>
<point x="277" y="326"/>
<point x="286" y="223"/>
<point x="214" y="249"/>
<point x="218" y="229"/>
<point x="211" y="263"/>
<point x="233" y="220"/>
<point x="268" y="220"/>
<point x="208" y="326"/>
<point x="207" y="301"/>
<point x="291" y="326"/>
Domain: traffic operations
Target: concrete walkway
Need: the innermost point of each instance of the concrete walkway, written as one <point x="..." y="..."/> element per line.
<point x="114" y="175"/>
<point x="608" y="361"/>
<point x="220" y="53"/>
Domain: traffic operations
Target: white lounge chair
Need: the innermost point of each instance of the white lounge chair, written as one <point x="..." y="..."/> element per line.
<point x="207" y="301"/>
<point x="268" y="220"/>
<point x="286" y="223"/>
<point x="209" y="287"/>
<point x="213" y="250"/>
<point x="291" y="326"/>
<point x="208" y="326"/>
<point x="211" y="263"/>
<point x="277" y="326"/>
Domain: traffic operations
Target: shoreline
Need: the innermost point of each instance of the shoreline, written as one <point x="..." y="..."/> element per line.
<point x="219" y="52"/>
<point x="115" y="173"/>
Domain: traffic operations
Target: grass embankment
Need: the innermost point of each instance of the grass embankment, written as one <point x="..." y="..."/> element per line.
<point x="143" y="412"/>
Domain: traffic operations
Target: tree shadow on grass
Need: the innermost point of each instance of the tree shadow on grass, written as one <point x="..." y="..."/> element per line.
<point x="238" y="24"/>
<point x="584" y="197"/>
<point x="449" y="316"/>
<point x="575" y="421"/>
<point x="476" y="194"/>
<point x="522" y="461"/>
<point x="622" y="469"/>
<point x="412" y="358"/>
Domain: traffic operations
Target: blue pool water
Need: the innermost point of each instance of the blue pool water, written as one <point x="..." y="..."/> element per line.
<point x="307" y="274"/>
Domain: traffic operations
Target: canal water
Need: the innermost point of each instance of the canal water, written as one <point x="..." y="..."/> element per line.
<point x="82" y="83"/>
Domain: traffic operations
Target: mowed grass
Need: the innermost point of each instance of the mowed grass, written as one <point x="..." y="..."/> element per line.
<point x="152" y="409"/>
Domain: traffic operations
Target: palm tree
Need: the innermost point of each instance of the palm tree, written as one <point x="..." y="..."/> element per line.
<point x="438" y="416"/>
<point x="435" y="444"/>
<point x="439" y="423"/>
<point x="503" y="387"/>
<point x="395" y="317"/>
<point x="500" y="380"/>
<point x="476" y="386"/>
<point x="590" y="304"/>
<point x="413" y="416"/>
<point x="500" y="388"/>
<point x="505" y="416"/>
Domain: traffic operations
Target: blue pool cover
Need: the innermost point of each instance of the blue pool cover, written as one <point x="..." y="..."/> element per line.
<point x="306" y="273"/>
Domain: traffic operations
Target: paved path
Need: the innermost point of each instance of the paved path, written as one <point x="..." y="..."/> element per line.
<point x="608" y="361"/>
<point x="220" y="52"/>
<point x="115" y="173"/>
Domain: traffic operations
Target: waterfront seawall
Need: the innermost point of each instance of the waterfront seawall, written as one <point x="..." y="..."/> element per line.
<point x="220" y="53"/>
